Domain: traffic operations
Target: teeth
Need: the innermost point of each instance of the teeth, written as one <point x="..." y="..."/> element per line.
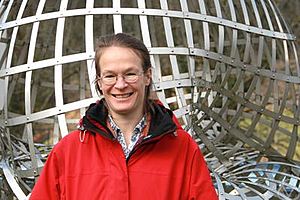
<point x="122" y="95"/>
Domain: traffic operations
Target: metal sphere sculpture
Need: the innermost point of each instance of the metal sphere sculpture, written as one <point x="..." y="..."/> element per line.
<point x="228" y="69"/>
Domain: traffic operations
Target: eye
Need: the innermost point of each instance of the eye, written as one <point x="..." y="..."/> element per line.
<point x="131" y="74"/>
<point x="108" y="76"/>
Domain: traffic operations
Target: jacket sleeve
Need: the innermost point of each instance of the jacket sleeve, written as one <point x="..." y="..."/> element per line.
<point x="47" y="186"/>
<point x="201" y="186"/>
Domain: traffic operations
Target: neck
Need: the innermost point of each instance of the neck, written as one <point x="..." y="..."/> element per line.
<point x="127" y="122"/>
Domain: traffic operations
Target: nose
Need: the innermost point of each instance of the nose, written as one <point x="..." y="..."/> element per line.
<point x="120" y="83"/>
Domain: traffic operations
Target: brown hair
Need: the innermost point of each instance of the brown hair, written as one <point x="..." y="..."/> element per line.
<point x="124" y="40"/>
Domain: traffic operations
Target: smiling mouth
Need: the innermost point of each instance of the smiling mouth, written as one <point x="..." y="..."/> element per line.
<point x="122" y="96"/>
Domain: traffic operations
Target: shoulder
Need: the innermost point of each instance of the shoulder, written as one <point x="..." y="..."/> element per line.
<point x="70" y="141"/>
<point x="186" y="139"/>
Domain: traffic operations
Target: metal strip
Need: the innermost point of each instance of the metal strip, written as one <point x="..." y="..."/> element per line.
<point x="9" y="176"/>
<point x="49" y="112"/>
<point x="117" y="19"/>
<point x="46" y="63"/>
<point x="173" y="59"/>
<point x="89" y="24"/>
<point x="191" y="60"/>
<point x="293" y="140"/>
<point x="82" y="85"/>
<point x="5" y="14"/>
<point x="28" y="79"/>
<point x="151" y="12"/>
<point x="58" y="83"/>
<point x="144" y="25"/>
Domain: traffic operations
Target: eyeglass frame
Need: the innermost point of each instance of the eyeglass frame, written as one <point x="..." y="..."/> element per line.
<point x="100" y="78"/>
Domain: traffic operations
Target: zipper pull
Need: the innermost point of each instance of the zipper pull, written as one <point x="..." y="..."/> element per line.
<point x="175" y="133"/>
<point x="147" y="137"/>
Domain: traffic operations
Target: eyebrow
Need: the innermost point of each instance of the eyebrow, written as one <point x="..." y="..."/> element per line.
<point x="126" y="70"/>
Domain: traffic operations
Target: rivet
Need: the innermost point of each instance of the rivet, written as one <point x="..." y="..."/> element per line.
<point x="6" y="72"/>
<point x="262" y="110"/>
<point x="220" y="57"/>
<point x="232" y="61"/>
<point x="6" y="122"/>
<point x="143" y="11"/>
<point x="207" y="53"/>
<point x="279" y="117"/>
<point x="245" y="66"/>
<point x="179" y="83"/>
<point x="204" y="18"/>
<point x="192" y="51"/>
<point x="27" y="118"/>
<point x="166" y="13"/>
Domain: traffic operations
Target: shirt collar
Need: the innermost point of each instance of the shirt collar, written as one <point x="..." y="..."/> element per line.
<point x="138" y="128"/>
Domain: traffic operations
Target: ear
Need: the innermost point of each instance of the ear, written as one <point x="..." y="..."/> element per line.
<point x="148" y="76"/>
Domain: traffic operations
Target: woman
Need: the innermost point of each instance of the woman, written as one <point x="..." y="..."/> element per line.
<point x="127" y="146"/>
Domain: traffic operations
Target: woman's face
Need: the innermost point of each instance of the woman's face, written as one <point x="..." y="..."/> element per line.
<point x="123" y="98"/>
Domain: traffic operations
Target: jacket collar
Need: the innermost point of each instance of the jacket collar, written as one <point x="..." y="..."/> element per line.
<point x="96" y="116"/>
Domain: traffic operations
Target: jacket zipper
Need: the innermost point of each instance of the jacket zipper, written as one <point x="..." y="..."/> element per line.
<point x="146" y="140"/>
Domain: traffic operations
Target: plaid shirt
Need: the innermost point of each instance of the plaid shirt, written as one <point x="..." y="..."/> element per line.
<point x="135" y="134"/>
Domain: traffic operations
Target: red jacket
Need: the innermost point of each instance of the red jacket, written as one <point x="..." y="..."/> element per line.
<point x="166" y="164"/>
